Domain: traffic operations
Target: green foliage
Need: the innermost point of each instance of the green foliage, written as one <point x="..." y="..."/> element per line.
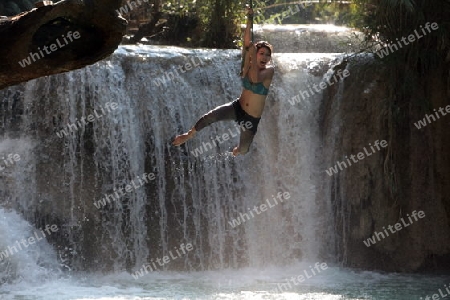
<point x="387" y="21"/>
<point x="301" y="12"/>
<point x="179" y="7"/>
<point x="383" y="21"/>
<point x="219" y="21"/>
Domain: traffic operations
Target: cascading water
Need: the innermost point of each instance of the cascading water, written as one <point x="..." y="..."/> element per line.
<point x="25" y="253"/>
<point x="123" y="196"/>
<point x="194" y="197"/>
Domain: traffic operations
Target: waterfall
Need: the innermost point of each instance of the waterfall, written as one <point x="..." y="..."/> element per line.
<point x="24" y="254"/>
<point x="138" y="100"/>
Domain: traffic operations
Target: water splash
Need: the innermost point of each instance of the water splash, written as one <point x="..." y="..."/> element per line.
<point x="192" y="199"/>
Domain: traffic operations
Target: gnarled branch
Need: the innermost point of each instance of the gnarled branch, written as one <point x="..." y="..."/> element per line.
<point x="57" y="38"/>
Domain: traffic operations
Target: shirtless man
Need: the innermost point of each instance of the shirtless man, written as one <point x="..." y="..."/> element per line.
<point x="248" y="108"/>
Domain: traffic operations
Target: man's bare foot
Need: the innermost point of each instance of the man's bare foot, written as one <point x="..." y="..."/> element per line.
<point x="236" y="151"/>
<point x="183" y="138"/>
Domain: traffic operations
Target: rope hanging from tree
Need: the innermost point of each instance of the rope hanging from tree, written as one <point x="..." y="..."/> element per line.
<point x="251" y="17"/>
<point x="244" y="49"/>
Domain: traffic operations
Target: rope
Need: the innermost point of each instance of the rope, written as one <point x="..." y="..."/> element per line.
<point x="251" y="36"/>
<point x="251" y="28"/>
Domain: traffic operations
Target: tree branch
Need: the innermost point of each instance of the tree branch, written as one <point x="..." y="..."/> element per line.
<point x="44" y="41"/>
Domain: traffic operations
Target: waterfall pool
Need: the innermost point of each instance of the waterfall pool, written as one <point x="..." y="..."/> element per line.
<point x="271" y="283"/>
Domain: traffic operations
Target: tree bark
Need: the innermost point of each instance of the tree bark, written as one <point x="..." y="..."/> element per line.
<point x="57" y="38"/>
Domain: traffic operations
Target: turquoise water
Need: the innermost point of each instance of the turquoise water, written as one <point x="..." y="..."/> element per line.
<point x="330" y="284"/>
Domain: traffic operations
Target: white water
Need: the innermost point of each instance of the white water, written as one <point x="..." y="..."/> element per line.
<point x="21" y="261"/>
<point x="191" y="200"/>
<point x="332" y="284"/>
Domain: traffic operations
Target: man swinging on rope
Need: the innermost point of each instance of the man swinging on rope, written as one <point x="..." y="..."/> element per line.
<point x="248" y="108"/>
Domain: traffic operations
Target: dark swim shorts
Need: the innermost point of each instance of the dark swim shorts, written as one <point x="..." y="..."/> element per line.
<point x="244" y="119"/>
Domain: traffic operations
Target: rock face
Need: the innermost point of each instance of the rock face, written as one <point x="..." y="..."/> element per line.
<point x="389" y="185"/>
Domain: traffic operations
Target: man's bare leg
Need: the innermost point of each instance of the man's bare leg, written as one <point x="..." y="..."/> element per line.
<point x="183" y="138"/>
